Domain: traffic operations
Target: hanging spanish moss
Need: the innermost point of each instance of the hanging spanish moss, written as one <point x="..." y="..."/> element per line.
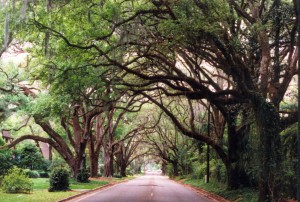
<point x="48" y="5"/>
<point x="14" y="5"/>
<point x="47" y="33"/>
<point x="24" y="9"/>
<point x="2" y="3"/>
<point x="6" y="31"/>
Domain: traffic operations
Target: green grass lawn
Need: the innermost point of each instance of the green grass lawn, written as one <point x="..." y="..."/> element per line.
<point x="36" y="196"/>
<point x="43" y="183"/>
<point x="40" y="191"/>
<point x="129" y="177"/>
<point x="240" y="195"/>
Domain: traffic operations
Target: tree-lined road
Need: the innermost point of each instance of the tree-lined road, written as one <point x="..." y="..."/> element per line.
<point x="149" y="188"/>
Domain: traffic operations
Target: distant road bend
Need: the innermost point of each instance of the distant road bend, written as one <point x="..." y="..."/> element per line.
<point x="148" y="188"/>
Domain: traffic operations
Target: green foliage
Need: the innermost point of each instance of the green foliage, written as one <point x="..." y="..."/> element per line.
<point x="43" y="183"/>
<point x="29" y="156"/>
<point x="11" y="99"/>
<point x="242" y="195"/>
<point x="59" y="180"/>
<point x="218" y="170"/>
<point x="83" y="176"/>
<point x="288" y="177"/>
<point x="2" y="142"/>
<point x="16" y="181"/>
<point x="6" y="161"/>
<point x="32" y="173"/>
<point x="289" y="141"/>
<point x="117" y="176"/>
<point x="43" y="174"/>
<point x="58" y="163"/>
<point x="199" y="170"/>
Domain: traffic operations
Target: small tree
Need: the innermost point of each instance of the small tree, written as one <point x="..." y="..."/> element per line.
<point x="83" y="176"/>
<point x="29" y="156"/>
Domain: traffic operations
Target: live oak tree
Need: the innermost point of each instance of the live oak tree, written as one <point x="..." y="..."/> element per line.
<point x="236" y="38"/>
<point x="171" y="147"/>
<point x="178" y="48"/>
<point x="129" y="148"/>
<point x="112" y="122"/>
<point x="79" y="93"/>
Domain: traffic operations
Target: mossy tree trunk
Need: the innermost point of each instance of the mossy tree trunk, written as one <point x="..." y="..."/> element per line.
<point x="236" y="174"/>
<point x="267" y="123"/>
<point x="175" y="168"/>
<point x="108" y="163"/>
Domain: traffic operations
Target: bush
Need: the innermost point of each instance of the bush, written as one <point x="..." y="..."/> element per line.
<point x="130" y="172"/>
<point x="117" y="176"/>
<point x="32" y="173"/>
<point x="83" y="176"/>
<point x="16" y="181"/>
<point x="59" y="180"/>
<point x="288" y="179"/>
<point x="43" y="174"/>
<point x="218" y="171"/>
<point x="199" y="170"/>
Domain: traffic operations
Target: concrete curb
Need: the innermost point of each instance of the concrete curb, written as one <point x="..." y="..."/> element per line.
<point x="91" y="191"/>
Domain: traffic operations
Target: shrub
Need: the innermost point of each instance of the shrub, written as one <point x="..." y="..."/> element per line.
<point x="59" y="180"/>
<point x="16" y="181"/>
<point x="32" y="173"/>
<point x="199" y="170"/>
<point x="117" y="176"/>
<point x="131" y="173"/>
<point x="43" y="174"/>
<point x="83" y="176"/>
<point x="288" y="179"/>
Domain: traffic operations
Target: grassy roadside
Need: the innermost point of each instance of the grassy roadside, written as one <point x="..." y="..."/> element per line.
<point x="240" y="195"/>
<point x="36" y="196"/>
<point x="40" y="190"/>
<point x="43" y="183"/>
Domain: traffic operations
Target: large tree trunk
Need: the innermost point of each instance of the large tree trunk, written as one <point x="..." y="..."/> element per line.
<point x="108" y="164"/>
<point x="94" y="158"/>
<point x="267" y="121"/>
<point x="95" y="143"/>
<point x="236" y="174"/>
<point x="175" y="169"/>
<point x="75" y="165"/>
<point x="94" y="163"/>
<point x="163" y="168"/>
<point x="123" y="169"/>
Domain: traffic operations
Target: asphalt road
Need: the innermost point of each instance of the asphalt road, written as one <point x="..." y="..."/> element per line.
<point x="148" y="188"/>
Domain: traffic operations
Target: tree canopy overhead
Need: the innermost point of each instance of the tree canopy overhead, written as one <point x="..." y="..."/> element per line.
<point x="92" y="57"/>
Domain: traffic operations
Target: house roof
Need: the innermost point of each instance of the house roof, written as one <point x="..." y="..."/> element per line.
<point x="5" y="134"/>
<point x="45" y="150"/>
